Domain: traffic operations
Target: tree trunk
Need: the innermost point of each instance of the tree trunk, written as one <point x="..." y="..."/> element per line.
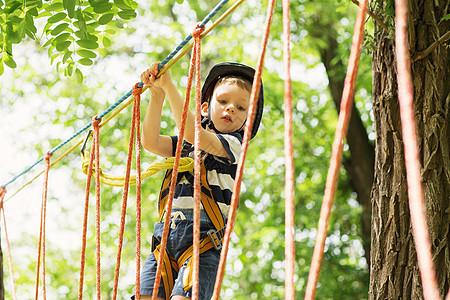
<point x="394" y="269"/>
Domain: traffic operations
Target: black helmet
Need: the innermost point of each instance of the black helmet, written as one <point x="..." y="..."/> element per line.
<point x="226" y="69"/>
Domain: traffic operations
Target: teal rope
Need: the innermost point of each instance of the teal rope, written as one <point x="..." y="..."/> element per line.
<point x="124" y="97"/>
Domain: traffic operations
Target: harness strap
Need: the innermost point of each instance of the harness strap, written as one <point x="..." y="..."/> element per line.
<point x="207" y="199"/>
<point x="170" y="263"/>
<point x="166" y="271"/>
<point x="213" y="240"/>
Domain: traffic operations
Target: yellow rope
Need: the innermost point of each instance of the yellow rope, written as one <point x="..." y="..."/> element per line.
<point x="186" y="164"/>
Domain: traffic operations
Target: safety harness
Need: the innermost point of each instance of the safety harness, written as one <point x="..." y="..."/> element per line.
<point x="212" y="240"/>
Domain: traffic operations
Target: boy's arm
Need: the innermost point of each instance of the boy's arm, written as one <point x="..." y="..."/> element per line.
<point x="151" y="138"/>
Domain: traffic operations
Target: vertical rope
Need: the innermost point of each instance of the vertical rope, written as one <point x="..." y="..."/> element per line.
<point x="8" y="249"/>
<point x="85" y="218"/>
<point x="412" y="160"/>
<point x="197" y="162"/>
<point x="336" y="154"/>
<point x="96" y="149"/>
<point x="125" y="200"/>
<point x="247" y="136"/>
<point x="137" y="112"/>
<point x="41" y="246"/>
<point x="289" y="162"/>
<point x="173" y="181"/>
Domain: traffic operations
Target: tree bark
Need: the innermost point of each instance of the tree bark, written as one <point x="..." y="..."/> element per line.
<point x="394" y="269"/>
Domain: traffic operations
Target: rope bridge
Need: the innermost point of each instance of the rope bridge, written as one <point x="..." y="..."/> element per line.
<point x="92" y="168"/>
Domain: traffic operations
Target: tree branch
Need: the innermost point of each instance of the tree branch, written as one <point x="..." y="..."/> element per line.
<point x="430" y="49"/>
<point x="374" y="16"/>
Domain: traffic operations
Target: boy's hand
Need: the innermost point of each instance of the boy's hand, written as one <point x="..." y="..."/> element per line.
<point x="149" y="77"/>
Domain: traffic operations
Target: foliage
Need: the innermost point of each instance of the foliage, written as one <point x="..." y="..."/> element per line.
<point x="74" y="29"/>
<point x="256" y="261"/>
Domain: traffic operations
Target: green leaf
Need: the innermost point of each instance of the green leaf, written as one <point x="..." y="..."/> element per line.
<point x="121" y="4"/>
<point x="85" y="61"/>
<point x="56" y="18"/>
<point x="81" y="23"/>
<point x="8" y="60"/>
<point x="79" y="75"/>
<point x="13" y="7"/>
<point x="102" y="8"/>
<point x="66" y="56"/>
<point x="127" y="14"/>
<point x="60" y="28"/>
<point x="88" y="44"/>
<point x="52" y="59"/>
<point x="445" y="18"/>
<point x="119" y="23"/>
<point x="69" y="69"/>
<point x="86" y="53"/>
<point x="29" y="23"/>
<point x="71" y="8"/>
<point x="110" y="30"/>
<point x="105" y="19"/>
<point x="2" y="69"/>
<point x="33" y="11"/>
<point x="106" y="42"/>
<point x="131" y="3"/>
<point x="55" y="6"/>
<point x="63" y="45"/>
<point x="21" y="30"/>
<point x="62" y="37"/>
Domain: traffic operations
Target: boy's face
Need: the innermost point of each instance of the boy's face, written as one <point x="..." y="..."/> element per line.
<point x="229" y="107"/>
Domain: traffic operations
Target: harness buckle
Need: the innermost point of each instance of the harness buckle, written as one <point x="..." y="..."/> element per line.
<point x="217" y="243"/>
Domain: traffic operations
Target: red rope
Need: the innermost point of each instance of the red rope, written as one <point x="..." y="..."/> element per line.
<point x="412" y="160"/>
<point x="289" y="162"/>
<point x="336" y="154"/>
<point x="41" y="246"/>
<point x="125" y="200"/>
<point x="96" y="149"/>
<point x="85" y="218"/>
<point x="137" y="112"/>
<point x="247" y="136"/>
<point x="168" y="209"/>
<point x="197" y="162"/>
<point x="8" y="249"/>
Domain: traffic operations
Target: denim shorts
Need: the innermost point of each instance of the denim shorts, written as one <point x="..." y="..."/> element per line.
<point x="179" y="239"/>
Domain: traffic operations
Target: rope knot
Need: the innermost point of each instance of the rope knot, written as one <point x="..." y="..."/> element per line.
<point x="2" y="191"/>
<point x="137" y="90"/>
<point x="48" y="155"/>
<point x="96" y="121"/>
<point x="198" y="30"/>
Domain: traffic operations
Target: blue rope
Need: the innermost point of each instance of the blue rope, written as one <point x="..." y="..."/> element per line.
<point x="124" y="97"/>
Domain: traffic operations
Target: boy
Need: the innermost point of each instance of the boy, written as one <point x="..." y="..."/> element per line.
<point x="225" y="103"/>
